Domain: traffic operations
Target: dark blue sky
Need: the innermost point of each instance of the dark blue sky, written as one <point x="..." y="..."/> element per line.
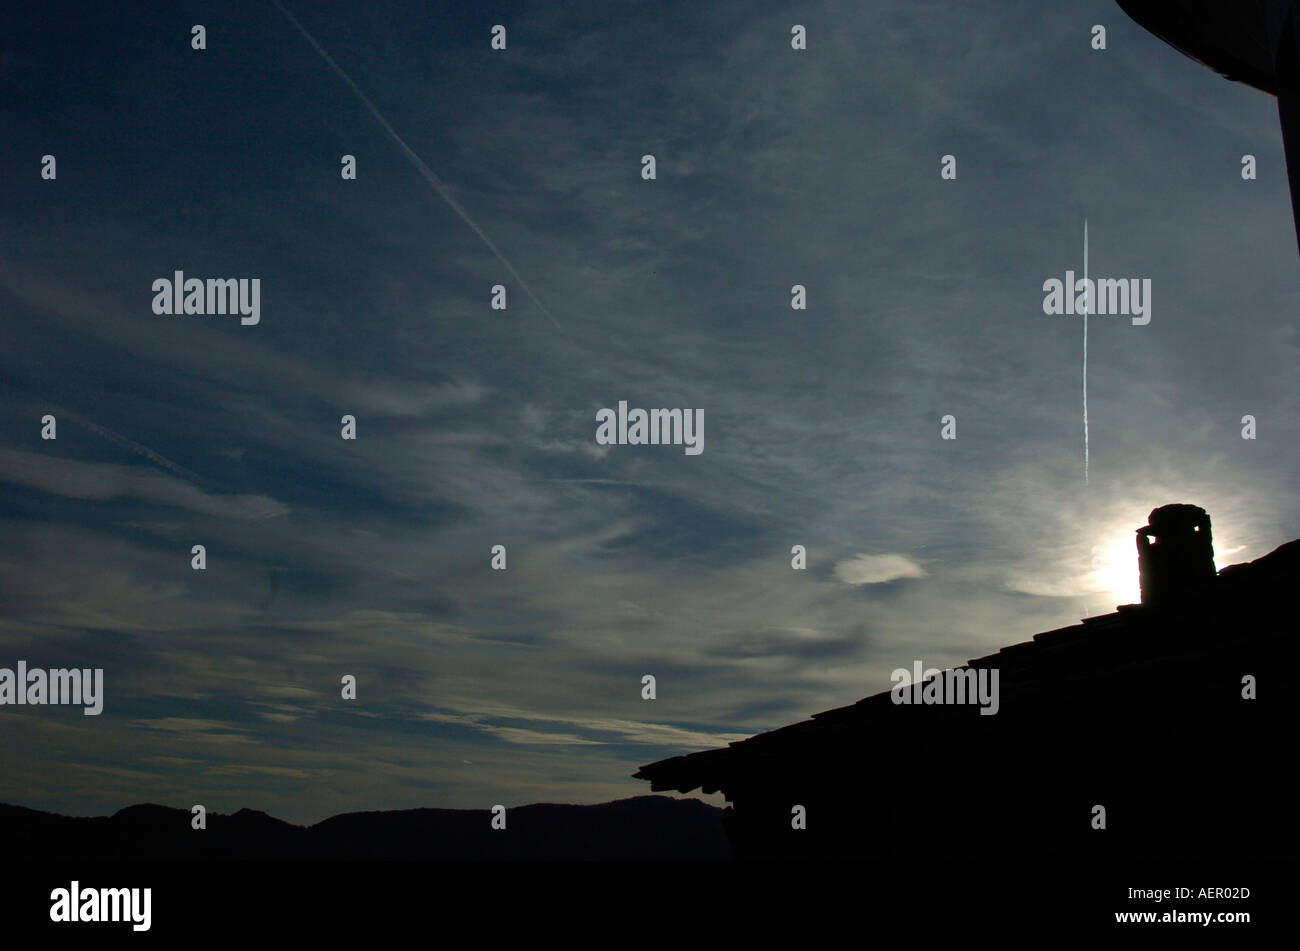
<point x="476" y="427"/>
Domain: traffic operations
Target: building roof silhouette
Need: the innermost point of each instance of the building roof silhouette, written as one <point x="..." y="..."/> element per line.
<point x="1070" y="701"/>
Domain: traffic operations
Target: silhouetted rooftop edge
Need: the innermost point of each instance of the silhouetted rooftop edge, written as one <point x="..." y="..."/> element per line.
<point x="1038" y="663"/>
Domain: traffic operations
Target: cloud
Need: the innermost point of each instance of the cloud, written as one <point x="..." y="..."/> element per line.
<point x="100" y="481"/>
<point x="1055" y="587"/>
<point x="877" y="569"/>
<point x="659" y="735"/>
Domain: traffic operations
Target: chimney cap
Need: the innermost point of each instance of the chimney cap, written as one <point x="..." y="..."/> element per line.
<point x="1175" y="518"/>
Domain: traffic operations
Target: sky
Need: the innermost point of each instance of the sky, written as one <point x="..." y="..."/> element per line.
<point x="477" y="427"/>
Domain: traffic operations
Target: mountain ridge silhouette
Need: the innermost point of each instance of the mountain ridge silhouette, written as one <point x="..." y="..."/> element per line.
<point x="638" y="828"/>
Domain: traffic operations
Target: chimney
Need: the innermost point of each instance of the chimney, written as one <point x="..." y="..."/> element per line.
<point x="1175" y="554"/>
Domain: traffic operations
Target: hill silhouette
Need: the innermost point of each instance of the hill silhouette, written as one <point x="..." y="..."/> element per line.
<point x="639" y="829"/>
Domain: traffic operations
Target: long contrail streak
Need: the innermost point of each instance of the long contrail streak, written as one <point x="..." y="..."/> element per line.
<point x="161" y="461"/>
<point x="1087" y="306"/>
<point x="420" y="167"/>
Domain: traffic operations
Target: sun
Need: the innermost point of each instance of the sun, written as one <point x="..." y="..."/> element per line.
<point x="1115" y="570"/>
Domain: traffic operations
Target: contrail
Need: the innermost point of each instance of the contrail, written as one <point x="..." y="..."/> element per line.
<point x="423" y="169"/>
<point x="145" y="451"/>
<point x="1087" y="306"/>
